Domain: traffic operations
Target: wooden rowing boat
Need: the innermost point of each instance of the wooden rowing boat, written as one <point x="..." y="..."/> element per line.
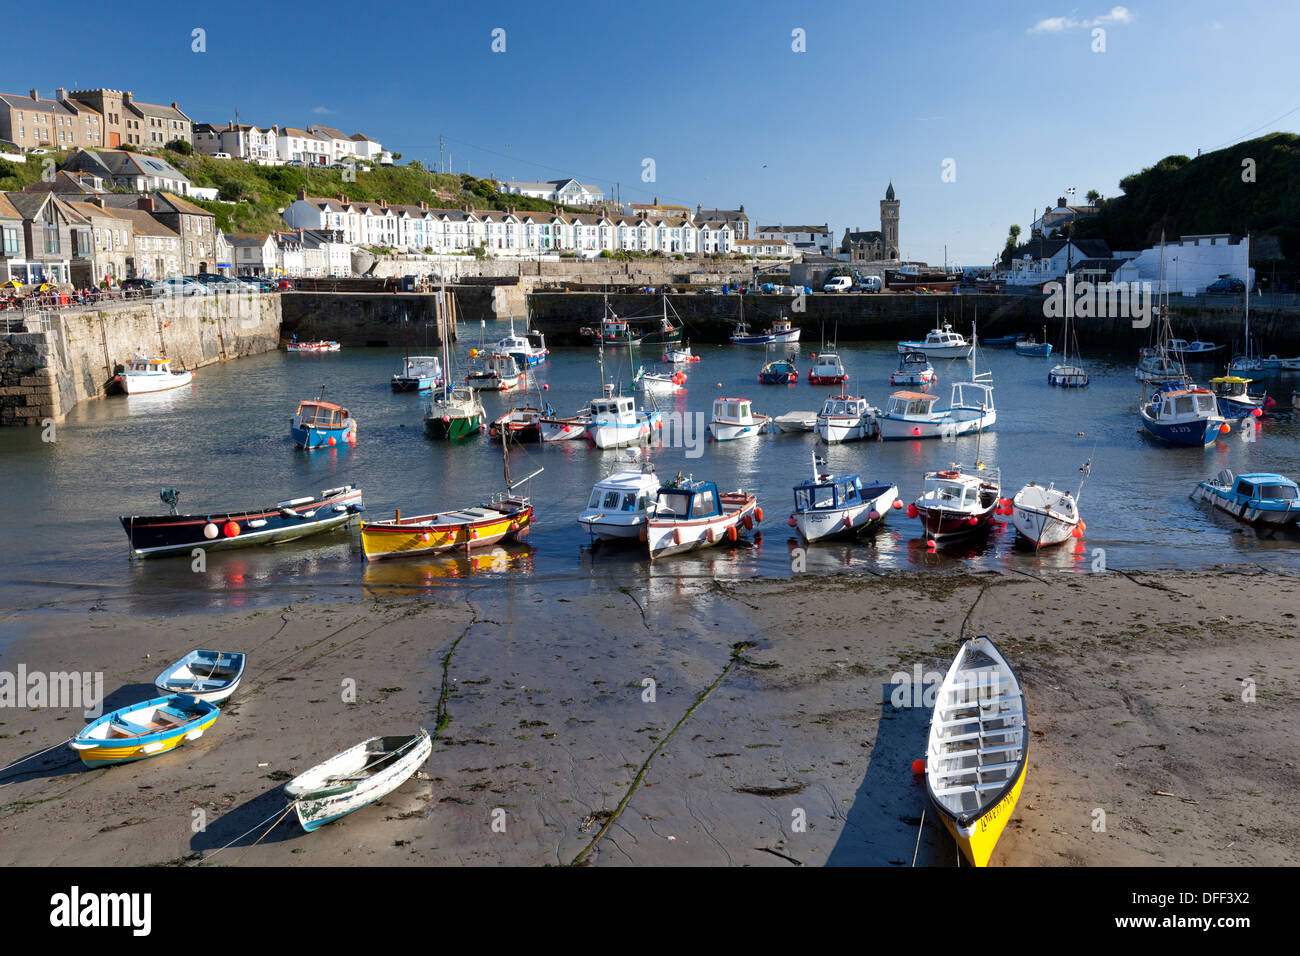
<point x="979" y="746"/>
<point x="356" y="778"/>
<point x="143" y="730"/>
<point x="204" y="675"/>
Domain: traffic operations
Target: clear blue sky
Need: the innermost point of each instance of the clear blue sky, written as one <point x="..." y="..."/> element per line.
<point x="715" y="95"/>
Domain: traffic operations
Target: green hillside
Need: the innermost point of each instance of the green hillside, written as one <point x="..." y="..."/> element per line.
<point x="1208" y="195"/>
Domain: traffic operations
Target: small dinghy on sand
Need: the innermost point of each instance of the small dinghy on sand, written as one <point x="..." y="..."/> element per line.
<point x="356" y="778"/>
<point x="204" y="675"/>
<point x="979" y="746"/>
<point x="143" y="730"/>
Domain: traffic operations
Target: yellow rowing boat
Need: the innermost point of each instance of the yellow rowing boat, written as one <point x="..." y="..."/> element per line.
<point x="979" y="748"/>
<point x="466" y="530"/>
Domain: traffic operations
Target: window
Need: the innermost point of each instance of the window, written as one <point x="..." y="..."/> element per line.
<point x="10" y="238"/>
<point x="51" y="239"/>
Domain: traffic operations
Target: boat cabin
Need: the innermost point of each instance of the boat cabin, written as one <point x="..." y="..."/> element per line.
<point x="780" y="327"/>
<point x="147" y="366"/>
<point x="1183" y="403"/>
<point x="910" y="404"/>
<point x="944" y="338"/>
<point x="954" y="491"/>
<point x="913" y="361"/>
<point x="828" y="365"/>
<point x="317" y="414"/>
<point x="1265" y="486"/>
<point x="687" y="500"/>
<point x="619" y="496"/>
<point x="828" y="492"/>
<point x="618" y="408"/>
<point x="1230" y="386"/>
<point x="844" y="406"/>
<point x="537" y="340"/>
<point x="733" y="411"/>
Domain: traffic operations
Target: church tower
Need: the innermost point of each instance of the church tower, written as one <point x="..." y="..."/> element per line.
<point x="889" y="224"/>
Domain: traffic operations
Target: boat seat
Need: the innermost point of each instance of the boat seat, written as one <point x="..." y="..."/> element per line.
<point x="172" y="715"/>
<point x="981" y="751"/>
<point x="981" y="703"/>
<point x="986" y="768"/>
<point x="989" y="732"/>
<point x="970" y="787"/>
<point x="127" y="728"/>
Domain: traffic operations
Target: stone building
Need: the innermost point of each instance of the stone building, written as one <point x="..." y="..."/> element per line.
<point x="878" y="245"/>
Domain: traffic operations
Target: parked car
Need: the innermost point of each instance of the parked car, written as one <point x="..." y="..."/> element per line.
<point x="182" y="285"/>
<point x="133" y="288"/>
<point x="870" y="284"/>
<point x="258" y="283"/>
<point x="221" y="156"/>
<point x="285" y="285"/>
<point x="1226" y="286"/>
<point x="838" y="284"/>
<point x="218" y="283"/>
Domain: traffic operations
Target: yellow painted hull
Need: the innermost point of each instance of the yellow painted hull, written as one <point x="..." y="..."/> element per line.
<point x="124" y="751"/>
<point x="978" y="839"/>
<point x="384" y="540"/>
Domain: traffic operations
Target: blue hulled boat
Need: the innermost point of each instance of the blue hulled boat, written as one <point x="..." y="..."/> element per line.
<point x="1182" y="414"/>
<point x="319" y="424"/>
<point x="1234" y="399"/>
<point x="1260" y="497"/>
<point x="840" y="506"/>
<point x="780" y="372"/>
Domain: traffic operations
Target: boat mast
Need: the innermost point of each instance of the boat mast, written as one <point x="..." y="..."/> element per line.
<point x="1247" y="284"/>
<point x="1085" y="471"/>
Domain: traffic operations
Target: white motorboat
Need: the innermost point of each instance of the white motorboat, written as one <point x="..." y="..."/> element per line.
<point x="688" y="514"/>
<point x="846" y="418"/>
<point x="143" y="374"/>
<point x="1047" y="516"/>
<point x="954" y="503"/>
<point x="658" y="382"/>
<point x="617" y="508"/>
<point x="497" y="372"/>
<point x="616" y="422"/>
<point x="913" y="414"/>
<point x="913" y="369"/>
<point x="735" y="418"/>
<point x="840" y="506"/>
<point x="940" y="343"/>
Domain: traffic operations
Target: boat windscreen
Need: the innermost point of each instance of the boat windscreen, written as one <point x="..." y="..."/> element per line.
<point x="1277" y="492"/>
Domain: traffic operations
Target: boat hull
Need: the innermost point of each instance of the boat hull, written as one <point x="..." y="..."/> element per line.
<point x="1200" y="434"/>
<point x="331" y="800"/>
<point x="827" y="379"/>
<point x="978" y="838"/>
<point x="569" y="429"/>
<point x="193" y="675"/>
<point x="768" y="338"/>
<point x="454" y="427"/>
<point x="1067" y="378"/>
<point x="144" y="384"/>
<point x="100" y="752"/>
<point x="152" y="536"/>
<point x="1256" y="513"/>
<point x="606" y="435"/>
<point x="730" y="431"/>
<point x="427" y="534"/>
<point x="1041" y="528"/>
<point x="834" y="430"/>
<point x="664" y="538"/>
<point x="937" y="351"/>
<point x="850" y="522"/>
<point x="942" y="524"/>
<point x="311" y="437"/>
<point x="963" y="422"/>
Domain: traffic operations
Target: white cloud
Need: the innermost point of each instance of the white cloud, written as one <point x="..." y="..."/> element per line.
<point x="1058" y="24"/>
<point x="321" y="110"/>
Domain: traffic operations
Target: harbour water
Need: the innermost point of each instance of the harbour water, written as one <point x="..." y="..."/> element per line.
<point x="224" y="443"/>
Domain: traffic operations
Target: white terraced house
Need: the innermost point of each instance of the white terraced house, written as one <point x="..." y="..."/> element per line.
<point x="299" y="146"/>
<point x="567" y="192"/>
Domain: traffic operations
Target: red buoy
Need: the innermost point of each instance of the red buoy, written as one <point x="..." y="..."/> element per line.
<point x="911" y="511"/>
<point x="230" y="529"/>
<point x="918" y="766"/>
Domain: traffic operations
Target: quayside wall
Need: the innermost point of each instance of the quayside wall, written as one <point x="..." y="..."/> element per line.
<point x="71" y="355"/>
<point x="380" y="318"/>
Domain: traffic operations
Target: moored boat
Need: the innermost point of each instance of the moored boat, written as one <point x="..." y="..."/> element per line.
<point x="1048" y="516"/>
<point x="453" y="413"/>
<point x="827" y="369"/>
<point x="616" y="422"/>
<point x="420" y="373"/>
<point x="143" y="375"/>
<point x="840" y="506"/>
<point x="940" y="343"/>
<point x="779" y="333"/>
<point x="143" y="730"/>
<point x="913" y="415"/>
<point x="1178" y="414"/>
<point x="480" y="526"/>
<point x="735" y="418"/>
<point x="914" y="368"/>
<point x="356" y="778"/>
<point x="680" y="355"/>
<point x="954" y="503"/>
<point x="495" y="372"/>
<point x="1233" y="398"/>
<point x="689" y="514"/>
<point x="618" y="505"/>
<point x="1258" y="497"/>
<point x="658" y="382"/>
<point x="978" y="749"/>
<point x="846" y="418"/>
<point x="157" y="535"/>
<point x="522" y="424"/>
<point x="204" y="675"/>
<point x="527" y="350"/>
<point x="317" y="346"/>
<point x="780" y="372"/>
<point x="320" y="424"/>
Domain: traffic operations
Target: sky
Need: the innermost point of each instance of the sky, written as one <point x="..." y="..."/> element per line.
<point x="980" y="114"/>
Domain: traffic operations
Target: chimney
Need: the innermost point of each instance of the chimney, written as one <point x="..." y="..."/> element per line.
<point x="1060" y="200"/>
<point x="36" y="94"/>
<point x="60" y="94"/>
<point x="98" y="201"/>
<point x="126" y="98"/>
<point x="424" y="206"/>
<point x="174" y="106"/>
<point x="145" y="203"/>
<point x="302" y="192"/>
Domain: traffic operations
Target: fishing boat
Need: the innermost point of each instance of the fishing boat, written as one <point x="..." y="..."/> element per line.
<point x="420" y="373"/>
<point x="1192" y="351"/>
<point x="689" y="514"/>
<point x="1182" y="414"/>
<point x="613" y="331"/>
<point x="143" y="374"/>
<point x="527" y="350"/>
<point x="1234" y="399"/>
<point x="1259" y="497"/>
<point x="796" y="421"/>
<point x="317" y="346"/>
<point x="659" y="383"/>
<point x="914" y="368"/>
<point x="954" y="502"/>
<point x="523" y="425"/>
<point x="940" y="343"/>
<point x="356" y="778"/>
<point x="143" y="730"/>
<point x="153" y="536"/>
<point x="494" y="372"/>
<point x="840" y="506"/>
<point x="1156" y="366"/>
<point x="320" y="424"/>
<point x="618" y="505"/>
<point x="827" y="369"/>
<point x="735" y="418"/>
<point x="453" y="413"/>
<point x="1031" y="347"/>
<point x="913" y="414"/>
<point x="552" y="428"/>
<point x="680" y="355"/>
<point x="978" y="749"/>
<point x="846" y="418"/>
<point x="616" y="422"/>
<point x="780" y="372"/>
<point x="204" y="675"/>
<point x="1047" y="516"/>
<point x="669" y="331"/>
<point x="496" y="519"/>
<point x="779" y="333"/>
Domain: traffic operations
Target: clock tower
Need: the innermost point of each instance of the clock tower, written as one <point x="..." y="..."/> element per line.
<point x="889" y="224"/>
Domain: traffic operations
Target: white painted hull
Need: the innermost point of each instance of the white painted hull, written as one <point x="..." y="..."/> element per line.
<point x="136" y="383"/>
<point x="563" y="431"/>
<point x="619" y="436"/>
<point x="677" y="537"/>
<point x="816" y="525"/>
<point x="947" y="425"/>
<point x="936" y="351"/>
<point x="730" y="431"/>
<point x="612" y="527"/>
<point x="314" y="794"/>
<point x="658" y="386"/>
<point x="834" y="430"/>
<point x="1041" y="528"/>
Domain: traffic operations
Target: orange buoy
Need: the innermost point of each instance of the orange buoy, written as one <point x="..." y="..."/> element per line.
<point x="911" y="511"/>
<point x="897" y="504"/>
<point x="930" y="545"/>
<point x="1224" y="429"/>
<point x="758" y="513"/>
<point x="1077" y="532"/>
<point x="749" y="522"/>
<point x="791" y="522"/>
<point x="331" y="441"/>
<point x="230" y="529"/>
<point x="918" y="766"/>
<point x="732" y="534"/>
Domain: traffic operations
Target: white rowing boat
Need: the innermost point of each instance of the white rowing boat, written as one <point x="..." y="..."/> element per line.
<point x="356" y="778"/>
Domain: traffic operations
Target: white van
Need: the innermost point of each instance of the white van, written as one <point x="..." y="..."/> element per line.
<point x="838" y="284"/>
<point x="220" y="155"/>
<point x="870" y="284"/>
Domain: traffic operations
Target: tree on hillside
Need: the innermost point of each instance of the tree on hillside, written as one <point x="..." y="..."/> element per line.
<point x="1093" y="196"/>
<point x="1009" y="250"/>
<point x="181" y="146"/>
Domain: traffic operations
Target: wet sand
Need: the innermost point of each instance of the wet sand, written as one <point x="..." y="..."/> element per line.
<point x="770" y="708"/>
